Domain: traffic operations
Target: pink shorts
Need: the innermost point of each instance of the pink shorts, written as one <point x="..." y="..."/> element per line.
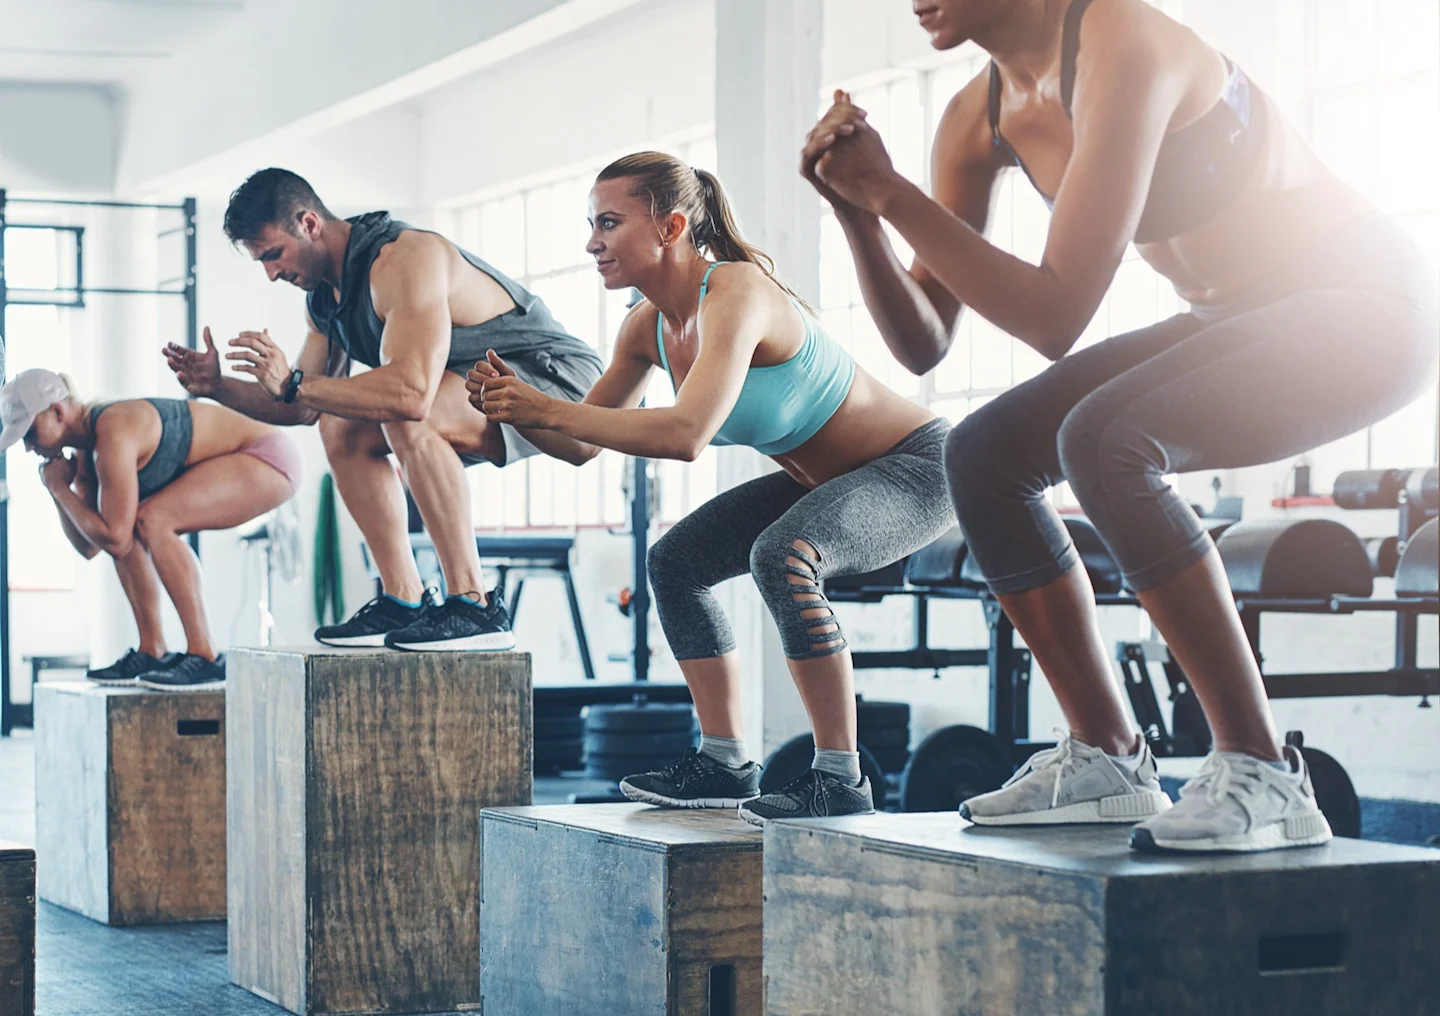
<point x="276" y="449"/>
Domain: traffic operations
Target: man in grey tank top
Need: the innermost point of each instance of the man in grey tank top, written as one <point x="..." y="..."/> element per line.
<point x="419" y="312"/>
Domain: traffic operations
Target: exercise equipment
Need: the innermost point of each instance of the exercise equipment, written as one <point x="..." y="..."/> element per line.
<point x="952" y="765"/>
<point x="1295" y="559"/>
<point x="1417" y="573"/>
<point x="623" y="739"/>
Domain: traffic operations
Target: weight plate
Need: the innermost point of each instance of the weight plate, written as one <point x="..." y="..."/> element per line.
<point x="874" y="713"/>
<point x="953" y="765"/>
<point x="669" y="744"/>
<point x="650" y="718"/>
<point x="1334" y="793"/>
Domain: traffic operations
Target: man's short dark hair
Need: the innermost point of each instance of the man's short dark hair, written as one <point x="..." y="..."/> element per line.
<point x="271" y="197"/>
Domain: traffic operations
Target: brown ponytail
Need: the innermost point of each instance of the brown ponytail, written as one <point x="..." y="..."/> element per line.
<point x="672" y="186"/>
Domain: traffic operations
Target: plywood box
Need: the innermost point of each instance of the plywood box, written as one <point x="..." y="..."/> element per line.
<point x="923" y="914"/>
<point x="620" y="908"/>
<point x="130" y="802"/>
<point x="356" y="779"/>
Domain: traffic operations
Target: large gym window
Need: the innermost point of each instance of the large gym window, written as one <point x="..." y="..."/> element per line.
<point x="40" y="557"/>
<point x="1371" y="109"/>
<point x="536" y="234"/>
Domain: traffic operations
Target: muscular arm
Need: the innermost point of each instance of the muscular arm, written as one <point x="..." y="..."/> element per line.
<point x="914" y="312"/>
<point x="409" y="285"/>
<point x="1124" y="99"/>
<point x="622" y="386"/>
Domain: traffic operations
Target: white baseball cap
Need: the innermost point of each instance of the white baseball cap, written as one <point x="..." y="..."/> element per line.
<point x="26" y="396"/>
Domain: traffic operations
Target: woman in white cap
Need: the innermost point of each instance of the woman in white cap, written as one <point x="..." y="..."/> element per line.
<point x="144" y="473"/>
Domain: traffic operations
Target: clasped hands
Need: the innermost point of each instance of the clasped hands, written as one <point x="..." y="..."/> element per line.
<point x="504" y="397"/>
<point x="845" y="158"/>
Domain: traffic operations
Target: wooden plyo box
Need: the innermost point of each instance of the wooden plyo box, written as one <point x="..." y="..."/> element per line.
<point x="17" y="930"/>
<point x="620" y="908"/>
<point x="130" y="802"/>
<point x="901" y="914"/>
<point x="356" y="779"/>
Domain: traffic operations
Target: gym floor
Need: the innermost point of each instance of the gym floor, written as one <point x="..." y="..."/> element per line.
<point x="162" y="970"/>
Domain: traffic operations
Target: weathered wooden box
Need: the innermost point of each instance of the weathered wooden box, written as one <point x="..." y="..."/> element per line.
<point x="356" y="783"/>
<point x="900" y="914"/>
<point x="17" y="930"/>
<point x="130" y="802"/>
<point x="620" y="908"/>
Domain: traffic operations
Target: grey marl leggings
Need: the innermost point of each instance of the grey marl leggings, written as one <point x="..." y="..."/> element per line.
<point x="865" y="519"/>
<point x="1353" y="341"/>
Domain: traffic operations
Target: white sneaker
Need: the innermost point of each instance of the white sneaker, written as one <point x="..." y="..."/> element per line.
<point x="1072" y="783"/>
<point x="1239" y="803"/>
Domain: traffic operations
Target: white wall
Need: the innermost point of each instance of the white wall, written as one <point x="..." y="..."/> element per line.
<point x="57" y="138"/>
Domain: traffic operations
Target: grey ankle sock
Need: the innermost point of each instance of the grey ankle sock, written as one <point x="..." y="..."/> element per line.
<point x="844" y="765"/>
<point x="728" y="751"/>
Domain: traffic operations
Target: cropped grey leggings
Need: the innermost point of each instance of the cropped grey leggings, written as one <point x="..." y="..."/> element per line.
<point x="1354" y="341"/>
<point x="863" y="520"/>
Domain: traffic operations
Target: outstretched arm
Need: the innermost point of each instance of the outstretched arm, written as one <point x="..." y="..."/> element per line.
<point x="199" y="373"/>
<point x="733" y="320"/>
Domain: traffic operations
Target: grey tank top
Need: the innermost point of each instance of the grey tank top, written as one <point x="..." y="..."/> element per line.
<point x="177" y="430"/>
<point x="529" y="334"/>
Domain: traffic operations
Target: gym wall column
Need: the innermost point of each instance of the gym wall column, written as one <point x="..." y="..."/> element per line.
<point x="767" y="92"/>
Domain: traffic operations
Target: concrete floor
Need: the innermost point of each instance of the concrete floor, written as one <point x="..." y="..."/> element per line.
<point x="84" y="968"/>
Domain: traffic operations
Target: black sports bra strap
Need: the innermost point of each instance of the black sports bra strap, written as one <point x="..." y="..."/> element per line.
<point x="994" y="100"/>
<point x="1069" y="50"/>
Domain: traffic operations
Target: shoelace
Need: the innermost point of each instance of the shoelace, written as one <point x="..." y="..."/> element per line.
<point x="1219" y="773"/>
<point x="1060" y="755"/>
<point x="689" y="762"/>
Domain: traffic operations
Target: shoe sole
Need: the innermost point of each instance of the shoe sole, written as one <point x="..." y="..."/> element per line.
<point x="492" y="643"/>
<point x="634" y="793"/>
<point x="1309" y="830"/>
<point x="355" y="641"/>
<point x="1119" y="809"/>
<point x="111" y="682"/>
<point x="203" y="686"/>
<point x="760" y="820"/>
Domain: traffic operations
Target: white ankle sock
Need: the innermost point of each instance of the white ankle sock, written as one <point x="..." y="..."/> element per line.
<point x="844" y="765"/>
<point x="728" y="751"/>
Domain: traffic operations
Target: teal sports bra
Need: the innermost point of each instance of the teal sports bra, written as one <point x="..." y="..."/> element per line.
<point x="781" y="406"/>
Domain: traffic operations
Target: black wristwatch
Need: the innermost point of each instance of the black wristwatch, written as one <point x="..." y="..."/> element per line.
<point x="292" y="387"/>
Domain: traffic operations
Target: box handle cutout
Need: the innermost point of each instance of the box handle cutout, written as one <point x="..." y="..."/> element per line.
<point x="722" y="990"/>
<point x="1323" y="952"/>
<point x="197" y="728"/>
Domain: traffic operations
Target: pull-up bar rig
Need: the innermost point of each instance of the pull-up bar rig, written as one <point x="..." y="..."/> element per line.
<point x="12" y="715"/>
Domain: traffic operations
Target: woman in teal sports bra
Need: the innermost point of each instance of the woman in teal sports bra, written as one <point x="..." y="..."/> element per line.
<point x="861" y="482"/>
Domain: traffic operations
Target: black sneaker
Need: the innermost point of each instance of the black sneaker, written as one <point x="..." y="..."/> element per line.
<point x="369" y="625"/>
<point x="189" y="673"/>
<point x="456" y="624"/>
<point x="130" y="666"/>
<point x="694" y="781"/>
<point x="814" y="795"/>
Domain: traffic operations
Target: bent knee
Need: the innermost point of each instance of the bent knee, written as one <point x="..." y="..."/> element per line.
<point x="1092" y="444"/>
<point x="342" y="437"/>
